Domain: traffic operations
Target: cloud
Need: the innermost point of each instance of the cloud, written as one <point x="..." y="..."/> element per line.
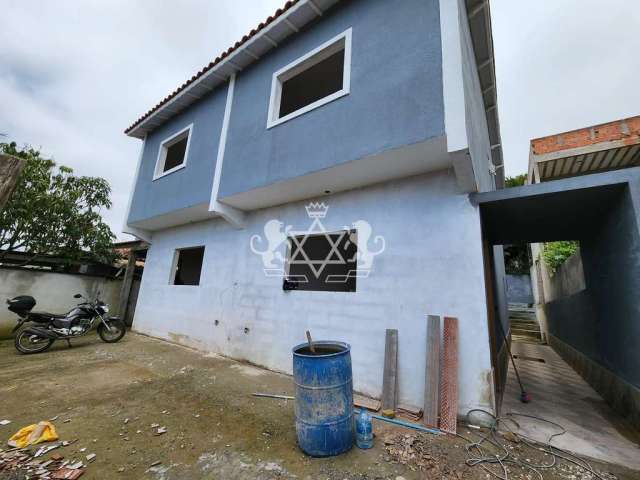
<point x="74" y="75"/>
<point x="562" y="65"/>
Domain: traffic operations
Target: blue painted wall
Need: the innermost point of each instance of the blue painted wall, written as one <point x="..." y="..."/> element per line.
<point x="396" y="96"/>
<point x="519" y="289"/>
<point x="188" y="186"/>
<point x="602" y="322"/>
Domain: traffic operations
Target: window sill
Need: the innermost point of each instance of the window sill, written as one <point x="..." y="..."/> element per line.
<point x="170" y="171"/>
<point x="308" y="108"/>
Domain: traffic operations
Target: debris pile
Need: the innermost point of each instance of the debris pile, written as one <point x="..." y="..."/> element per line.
<point x="413" y="451"/>
<point x="29" y="462"/>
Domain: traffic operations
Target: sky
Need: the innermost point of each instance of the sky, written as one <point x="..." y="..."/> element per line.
<point x="75" y="74"/>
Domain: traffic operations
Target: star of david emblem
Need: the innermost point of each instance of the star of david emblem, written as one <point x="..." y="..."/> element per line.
<point x="334" y="256"/>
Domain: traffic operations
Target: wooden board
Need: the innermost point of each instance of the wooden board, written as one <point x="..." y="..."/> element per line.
<point x="361" y="401"/>
<point x="432" y="373"/>
<point x="390" y="375"/>
<point x="449" y="378"/>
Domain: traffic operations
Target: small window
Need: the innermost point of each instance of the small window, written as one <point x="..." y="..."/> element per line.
<point x="187" y="266"/>
<point x="173" y="153"/>
<point x="317" y="78"/>
<point x="324" y="262"/>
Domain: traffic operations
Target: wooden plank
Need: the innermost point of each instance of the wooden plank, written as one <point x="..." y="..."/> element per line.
<point x="449" y="378"/>
<point x="410" y="412"/>
<point x="390" y="376"/>
<point x="432" y="372"/>
<point x="361" y="401"/>
<point x="127" y="282"/>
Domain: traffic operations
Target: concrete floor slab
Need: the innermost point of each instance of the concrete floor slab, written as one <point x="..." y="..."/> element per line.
<point x="560" y="395"/>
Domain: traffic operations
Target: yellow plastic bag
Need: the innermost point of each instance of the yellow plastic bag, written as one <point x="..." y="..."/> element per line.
<point x="33" y="434"/>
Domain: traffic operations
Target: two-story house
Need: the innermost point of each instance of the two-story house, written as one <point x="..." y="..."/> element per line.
<point x="315" y="176"/>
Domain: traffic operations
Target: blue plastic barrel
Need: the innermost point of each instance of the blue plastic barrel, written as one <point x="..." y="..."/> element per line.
<point x="324" y="398"/>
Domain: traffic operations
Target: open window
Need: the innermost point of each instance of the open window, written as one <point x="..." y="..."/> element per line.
<point x="324" y="262"/>
<point x="173" y="153"/>
<point x="187" y="266"/>
<point x="317" y="78"/>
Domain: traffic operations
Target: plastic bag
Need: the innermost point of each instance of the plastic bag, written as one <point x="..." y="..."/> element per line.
<point x="33" y="434"/>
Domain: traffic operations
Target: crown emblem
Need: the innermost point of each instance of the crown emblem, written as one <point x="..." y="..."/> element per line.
<point x="316" y="210"/>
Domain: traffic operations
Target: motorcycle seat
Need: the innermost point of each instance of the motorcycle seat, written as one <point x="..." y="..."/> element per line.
<point x="48" y="315"/>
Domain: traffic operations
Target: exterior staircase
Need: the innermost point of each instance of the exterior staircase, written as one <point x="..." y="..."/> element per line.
<point x="524" y="325"/>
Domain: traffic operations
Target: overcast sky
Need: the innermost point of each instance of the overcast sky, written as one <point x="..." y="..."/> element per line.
<point x="73" y="75"/>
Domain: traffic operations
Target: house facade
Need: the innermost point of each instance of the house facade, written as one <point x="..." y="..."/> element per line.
<point x="316" y="176"/>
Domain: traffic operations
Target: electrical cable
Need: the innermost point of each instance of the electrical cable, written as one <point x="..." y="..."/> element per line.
<point x="478" y="455"/>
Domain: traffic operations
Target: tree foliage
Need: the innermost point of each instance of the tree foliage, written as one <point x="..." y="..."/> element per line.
<point x="55" y="212"/>
<point x="517" y="260"/>
<point x="516" y="181"/>
<point x="556" y="253"/>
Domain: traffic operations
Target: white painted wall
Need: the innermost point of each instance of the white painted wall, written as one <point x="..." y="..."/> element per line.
<point x="432" y="265"/>
<point x="53" y="292"/>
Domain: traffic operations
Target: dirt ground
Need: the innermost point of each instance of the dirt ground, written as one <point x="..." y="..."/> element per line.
<point x="108" y="396"/>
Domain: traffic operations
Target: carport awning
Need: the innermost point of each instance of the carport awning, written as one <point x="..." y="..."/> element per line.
<point x="566" y="209"/>
<point x="558" y="166"/>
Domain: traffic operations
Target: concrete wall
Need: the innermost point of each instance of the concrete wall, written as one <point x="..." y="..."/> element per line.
<point x="395" y="98"/>
<point x="432" y="265"/>
<point x="53" y="292"/>
<point x="596" y="329"/>
<point x="567" y="280"/>
<point x="611" y="259"/>
<point x="519" y="289"/>
<point x="191" y="185"/>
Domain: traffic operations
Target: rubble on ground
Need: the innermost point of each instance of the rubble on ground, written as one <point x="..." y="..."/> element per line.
<point x="29" y="462"/>
<point x="415" y="452"/>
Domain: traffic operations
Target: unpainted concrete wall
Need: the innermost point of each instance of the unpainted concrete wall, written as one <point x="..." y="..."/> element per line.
<point x="567" y="280"/>
<point x="432" y="265"/>
<point x="53" y="292"/>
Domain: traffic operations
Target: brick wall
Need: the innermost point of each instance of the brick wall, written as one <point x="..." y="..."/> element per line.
<point x="627" y="130"/>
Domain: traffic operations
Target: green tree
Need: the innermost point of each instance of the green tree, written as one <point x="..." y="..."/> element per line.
<point x="516" y="181"/>
<point x="55" y="212"/>
<point x="517" y="260"/>
<point x="556" y="253"/>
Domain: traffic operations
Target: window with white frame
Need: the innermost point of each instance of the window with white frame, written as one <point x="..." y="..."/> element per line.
<point x="173" y="152"/>
<point x="317" y="78"/>
<point x="187" y="266"/>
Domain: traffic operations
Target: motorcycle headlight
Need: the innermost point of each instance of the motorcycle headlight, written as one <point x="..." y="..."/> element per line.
<point x="105" y="308"/>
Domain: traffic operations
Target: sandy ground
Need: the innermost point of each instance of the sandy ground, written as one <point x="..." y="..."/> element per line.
<point x="109" y="396"/>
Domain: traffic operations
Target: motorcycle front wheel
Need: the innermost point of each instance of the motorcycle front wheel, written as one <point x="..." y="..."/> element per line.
<point x="117" y="331"/>
<point x="26" y="342"/>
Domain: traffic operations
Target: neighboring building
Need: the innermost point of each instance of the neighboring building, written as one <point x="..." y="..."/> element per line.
<point x="373" y="119"/>
<point x="600" y="148"/>
<point x="596" y="149"/>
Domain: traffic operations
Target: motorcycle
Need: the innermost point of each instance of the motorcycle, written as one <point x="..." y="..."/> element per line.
<point x="50" y="327"/>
